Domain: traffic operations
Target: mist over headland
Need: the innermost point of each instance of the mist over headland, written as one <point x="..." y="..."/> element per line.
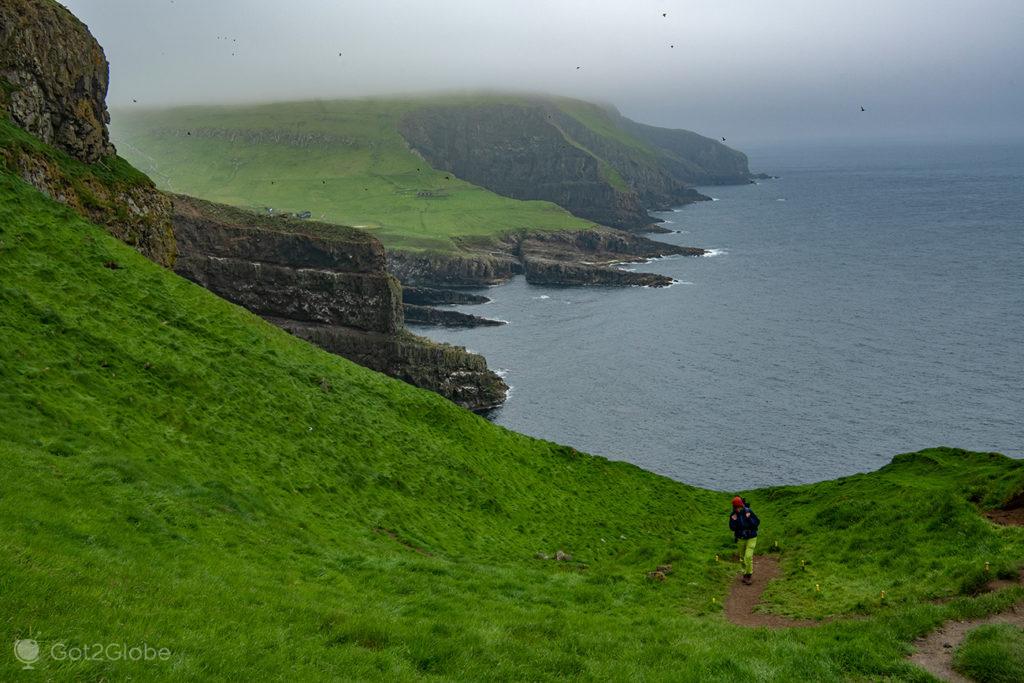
<point x="751" y="72"/>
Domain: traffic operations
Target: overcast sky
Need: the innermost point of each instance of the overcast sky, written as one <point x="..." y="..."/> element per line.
<point x="752" y="70"/>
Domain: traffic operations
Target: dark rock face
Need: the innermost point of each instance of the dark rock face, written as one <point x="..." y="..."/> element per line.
<point x="560" y="273"/>
<point x="328" y="285"/>
<point x="452" y="270"/>
<point x="518" y="152"/>
<point x="56" y="77"/>
<point x="443" y="317"/>
<point x="428" y="296"/>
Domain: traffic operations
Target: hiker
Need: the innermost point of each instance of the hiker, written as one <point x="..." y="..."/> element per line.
<point x="744" y="523"/>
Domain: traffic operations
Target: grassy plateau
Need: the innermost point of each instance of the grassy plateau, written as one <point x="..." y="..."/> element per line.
<point x="183" y="475"/>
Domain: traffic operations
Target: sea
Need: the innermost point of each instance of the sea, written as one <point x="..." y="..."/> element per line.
<point x="869" y="301"/>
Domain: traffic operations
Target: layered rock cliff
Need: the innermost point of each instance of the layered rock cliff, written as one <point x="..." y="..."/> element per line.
<point x="53" y="85"/>
<point x="328" y="285"/>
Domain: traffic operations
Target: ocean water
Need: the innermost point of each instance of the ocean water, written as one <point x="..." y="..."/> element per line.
<point x="868" y="302"/>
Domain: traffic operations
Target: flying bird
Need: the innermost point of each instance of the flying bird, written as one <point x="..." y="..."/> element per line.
<point x="723" y="139"/>
<point x="863" y="109"/>
<point x="577" y="68"/>
<point x="664" y="14"/>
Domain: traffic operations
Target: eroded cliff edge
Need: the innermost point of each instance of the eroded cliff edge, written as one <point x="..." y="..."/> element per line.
<point x="327" y="284"/>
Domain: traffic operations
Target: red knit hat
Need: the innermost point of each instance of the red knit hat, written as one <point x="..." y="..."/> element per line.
<point x="737" y="502"/>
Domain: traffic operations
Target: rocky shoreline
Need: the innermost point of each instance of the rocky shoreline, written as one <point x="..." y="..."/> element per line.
<point x="555" y="259"/>
<point x="560" y="258"/>
<point x="443" y="317"/>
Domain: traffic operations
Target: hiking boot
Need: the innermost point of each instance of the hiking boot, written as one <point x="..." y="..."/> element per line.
<point x="748" y="579"/>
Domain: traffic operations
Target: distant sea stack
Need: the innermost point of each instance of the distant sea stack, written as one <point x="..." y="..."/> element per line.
<point x="542" y="149"/>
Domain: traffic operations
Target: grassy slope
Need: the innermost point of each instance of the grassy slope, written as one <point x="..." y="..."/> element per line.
<point x="992" y="654"/>
<point x="178" y="474"/>
<point x="364" y="175"/>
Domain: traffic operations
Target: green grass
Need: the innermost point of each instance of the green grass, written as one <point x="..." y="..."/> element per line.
<point x="599" y="120"/>
<point x="181" y="473"/>
<point x="344" y="161"/>
<point x="992" y="654"/>
<point x="113" y="170"/>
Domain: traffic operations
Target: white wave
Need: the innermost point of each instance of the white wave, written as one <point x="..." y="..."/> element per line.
<point x="781" y="199"/>
<point x="714" y="199"/>
<point x="716" y="252"/>
<point x="668" y="286"/>
<point x="501" y="372"/>
<point x="542" y="296"/>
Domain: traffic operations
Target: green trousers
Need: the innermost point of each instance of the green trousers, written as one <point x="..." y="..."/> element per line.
<point x="747" y="546"/>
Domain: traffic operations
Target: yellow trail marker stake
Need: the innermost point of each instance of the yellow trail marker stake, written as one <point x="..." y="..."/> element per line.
<point x="817" y="588"/>
<point x="986" y="567"/>
<point x="716" y="558"/>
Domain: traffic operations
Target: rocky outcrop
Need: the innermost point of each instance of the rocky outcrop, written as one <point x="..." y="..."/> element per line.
<point x="328" y="285"/>
<point x="458" y="269"/>
<point x="445" y="317"/>
<point x="53" y="82"/>
<point x="429" y="296"/>
<point x="55" y="78"/>
<point x="585" y="258"/>
<point x="559" y="258"/>
<point x="541" y="271"/>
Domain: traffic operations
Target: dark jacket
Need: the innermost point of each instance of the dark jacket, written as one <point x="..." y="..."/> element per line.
<point x="745" y="523"/>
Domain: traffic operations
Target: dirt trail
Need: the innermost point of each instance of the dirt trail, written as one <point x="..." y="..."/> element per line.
<point x="742" y="599"/>
<point x="935" y="651"/>
<point x="1011" y="517"/>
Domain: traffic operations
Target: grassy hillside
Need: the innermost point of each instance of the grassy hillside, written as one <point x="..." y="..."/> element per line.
<point x="344" y="161"/>
<point x="180" y="473"/>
